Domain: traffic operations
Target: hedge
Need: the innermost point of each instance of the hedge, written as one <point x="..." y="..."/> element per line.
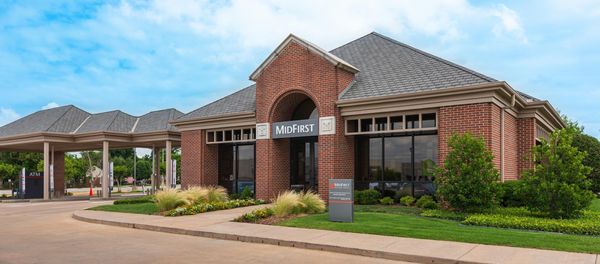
<point x="136" y="200"/>
<point x="443" y="214"/>
<point x="589" y="224"/>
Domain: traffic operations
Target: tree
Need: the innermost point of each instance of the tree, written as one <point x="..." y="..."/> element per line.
<point x="591" y="146"/>
<point x="468" y="181"/>
<point x="558" y="184"/>
<point x="8" y="172"/>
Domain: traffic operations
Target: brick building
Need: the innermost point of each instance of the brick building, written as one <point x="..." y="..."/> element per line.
<point x="373" y="110"/>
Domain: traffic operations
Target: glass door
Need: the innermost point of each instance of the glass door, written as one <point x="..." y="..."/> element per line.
<point x="304" y="168"/>
<point x="236" y="167"/>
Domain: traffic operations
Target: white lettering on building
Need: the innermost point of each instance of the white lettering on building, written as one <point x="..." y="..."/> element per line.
<point x="294" y="129"/>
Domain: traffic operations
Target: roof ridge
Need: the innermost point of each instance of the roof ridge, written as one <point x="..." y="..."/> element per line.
<point x="218" y="100"/>
<point x="372" y="33"/>
<point x="113" y="119"/>
<point x="422" y="52"/>
<point x="69" y="108"/>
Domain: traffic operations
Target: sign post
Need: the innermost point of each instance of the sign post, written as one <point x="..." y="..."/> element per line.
<point x="174" y="174"/>
<point x="22" y="184"/>
<point x="111" y="177"/>
<point x="341" y="200"/>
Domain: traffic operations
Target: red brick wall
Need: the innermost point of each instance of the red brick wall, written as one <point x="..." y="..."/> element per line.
<point x="199" y="161"/>
<point x="297" y="73"/>
<point x="59" y="174"/>
<point x="511" y="147"/>
<point x="478" y="119"/>
<point x="526" y="138"/>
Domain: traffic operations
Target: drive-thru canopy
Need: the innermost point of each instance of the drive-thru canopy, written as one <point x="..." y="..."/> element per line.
<point x="68" y="128"/>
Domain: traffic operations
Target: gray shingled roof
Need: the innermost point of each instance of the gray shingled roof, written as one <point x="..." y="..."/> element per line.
<point x="242" y="101"/>
<point x="72" y="120"/>
<point x="388" y="67"/>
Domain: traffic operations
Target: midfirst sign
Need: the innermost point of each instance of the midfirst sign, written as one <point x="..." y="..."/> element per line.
<point x="341" y="200"/>
<point x="295" y="128"/>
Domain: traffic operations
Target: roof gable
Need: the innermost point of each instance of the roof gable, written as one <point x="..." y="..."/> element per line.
<point x="390" y="67"/>
<point x="335" y="60"/>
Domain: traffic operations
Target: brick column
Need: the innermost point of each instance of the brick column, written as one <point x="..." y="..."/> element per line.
<point x="526" y="141"/>
<point x="59" y="174"/>
<point x="199" y="161"/>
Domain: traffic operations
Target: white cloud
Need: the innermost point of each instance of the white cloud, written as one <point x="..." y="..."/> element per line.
<point x="509" y="23"/>
<point x="50" y="105"/>
<point x="8" y="115"/>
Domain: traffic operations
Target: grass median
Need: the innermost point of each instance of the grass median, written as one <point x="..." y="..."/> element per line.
<point x="405" y="222"/>
<point x="136" y="208"/>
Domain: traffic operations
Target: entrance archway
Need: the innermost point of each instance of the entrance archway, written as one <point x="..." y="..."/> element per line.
<point x="298" y="156"/>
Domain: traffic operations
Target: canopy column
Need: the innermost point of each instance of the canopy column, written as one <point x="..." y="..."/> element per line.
<point x="169" y="163"/>
<point x="46" y="171"/>
<point x="155" y="169"/>
<point x="105" y="168"/>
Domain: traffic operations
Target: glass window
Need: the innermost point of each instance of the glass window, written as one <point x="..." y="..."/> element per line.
<point x="245" y="167"/>
<point x="366" y="125"/>
<point x="398" y="161"/>
<point x="237" y="134"/>
<point x="428" y="120"/>
<point x="380" y="123"/>
<point x="219" y="136"/>
<point x="375" y="158"/>
<point x="426" y="160"/>
<point x="227" y="135"/>
<point x="211" y="136"/>
<point x="352" y="126"/>
<point x="412" y="121"/>
<point x="396" y="122"/>
<point x="226" y="166"/>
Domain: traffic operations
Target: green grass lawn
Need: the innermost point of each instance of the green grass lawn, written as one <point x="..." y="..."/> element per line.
<point x="595" y="206"/>
<point x="140" y="208"/>
<point x="405" y="222"/>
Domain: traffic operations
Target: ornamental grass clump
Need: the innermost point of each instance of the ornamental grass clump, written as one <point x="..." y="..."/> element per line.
<point x="216" y="194"/>
<point x="169" y="199"/>
<point x="286" y="203"/>
<point x="311" y="203"/>
<point x="196" y="194"/>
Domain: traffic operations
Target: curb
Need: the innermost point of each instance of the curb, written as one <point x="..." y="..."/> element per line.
<point x="279" y="242"/>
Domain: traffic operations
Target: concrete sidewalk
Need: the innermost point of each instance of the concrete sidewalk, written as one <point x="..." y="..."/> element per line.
<point x="218" y="225"/>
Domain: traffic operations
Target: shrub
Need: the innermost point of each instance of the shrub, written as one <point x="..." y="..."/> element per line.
<point x="367" y="197"/>
<point x="169" y="199"/>
<point x="468" y="179"/>
<point x="511" y="194"/>
<point x="255" y="215"/>
<point x="286" y="203"/>
<point x="430" y="205"/>
<point x="443" y="214"/>
<point x="196" y="194"/>
<point x="216" y="194"/>
<point x="387" y="201"/>
<point x="198" y="208"/>
<point x="407" y="200"/>
<point x="423" y="200"/>
<point x="246" y="193"/>
<point x="311" y="202"/>
<point x="588" y="225"/>
<point x="136" y="200"/>
<point x="558" y="185"/>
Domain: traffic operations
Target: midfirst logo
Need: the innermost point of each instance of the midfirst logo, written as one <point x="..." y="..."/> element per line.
<point x="293" y="129"/>
<point x="339" y="185"/>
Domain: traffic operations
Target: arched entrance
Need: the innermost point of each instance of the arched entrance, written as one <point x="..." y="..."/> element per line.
<point x="302" y="150"/>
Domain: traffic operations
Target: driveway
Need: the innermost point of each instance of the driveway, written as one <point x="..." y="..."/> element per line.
<point x="46" y="233"/>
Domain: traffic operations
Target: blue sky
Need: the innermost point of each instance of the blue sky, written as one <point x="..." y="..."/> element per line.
<point x="140" y="56"/>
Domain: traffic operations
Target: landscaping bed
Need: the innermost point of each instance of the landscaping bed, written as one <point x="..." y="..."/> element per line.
<point x="171" y="202"/>
<point x="406" y="222"/>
